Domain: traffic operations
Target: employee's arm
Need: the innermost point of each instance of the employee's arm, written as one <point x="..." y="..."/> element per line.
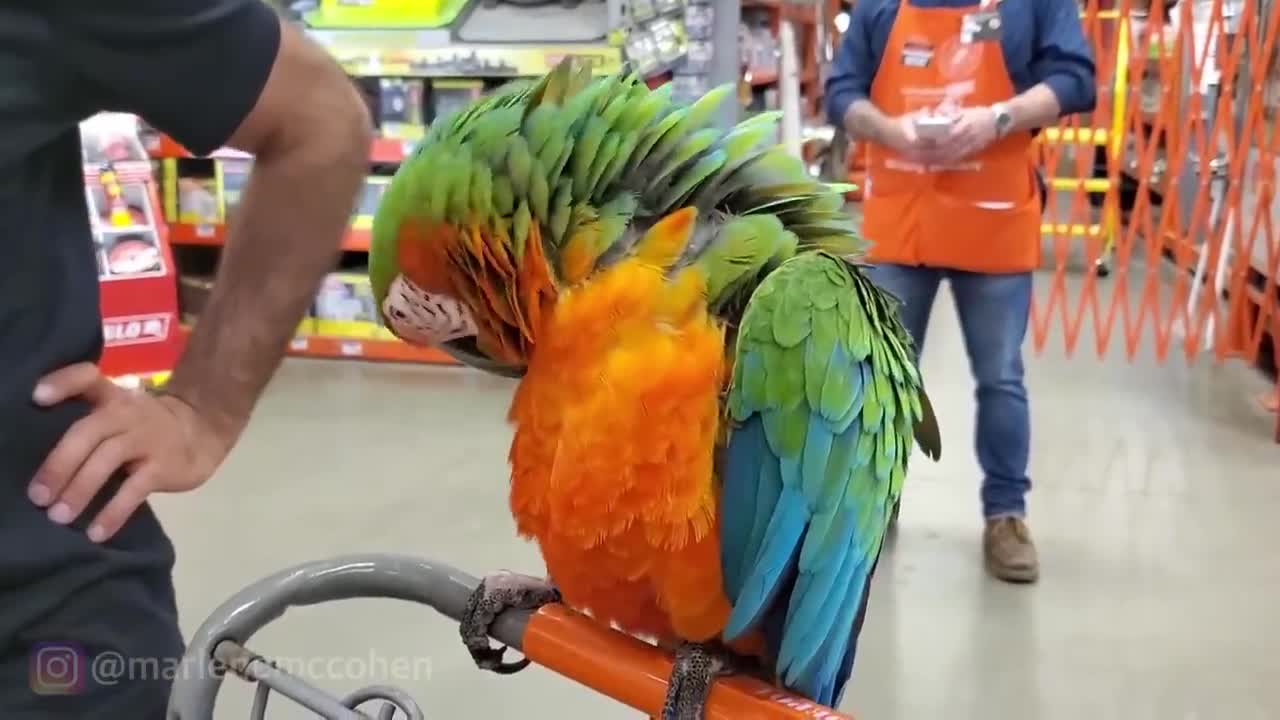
<point x="848" y="86"/>
<point x="209" y="73"/>
<point x="1063" y="60"/>
<point x="853" y="68"/>
<point x="864" y="121"/>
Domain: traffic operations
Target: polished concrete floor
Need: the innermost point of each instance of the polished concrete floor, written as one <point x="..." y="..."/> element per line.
<point x="1157" y="493"/>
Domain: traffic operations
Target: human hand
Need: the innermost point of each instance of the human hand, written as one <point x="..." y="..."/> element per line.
<point x="903" y="138"/>
<point x="973" y="131"/>
<point x="161" y="442"/>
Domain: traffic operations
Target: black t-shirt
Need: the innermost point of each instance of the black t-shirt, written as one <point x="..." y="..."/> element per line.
<point x="191" y="68"/>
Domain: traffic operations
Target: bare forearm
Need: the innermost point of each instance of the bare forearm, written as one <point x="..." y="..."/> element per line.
<point x="1037" y="107"/>
<point x="282" y="242"/>
<point x="864" y="121"/>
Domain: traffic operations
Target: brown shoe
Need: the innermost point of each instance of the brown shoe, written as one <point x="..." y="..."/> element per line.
<point x="1009" y="552"/>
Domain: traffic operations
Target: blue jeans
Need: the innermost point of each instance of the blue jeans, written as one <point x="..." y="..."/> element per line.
<point x="993" y="313"/>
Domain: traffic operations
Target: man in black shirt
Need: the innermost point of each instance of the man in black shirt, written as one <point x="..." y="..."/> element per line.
<point x="85" y="568"/>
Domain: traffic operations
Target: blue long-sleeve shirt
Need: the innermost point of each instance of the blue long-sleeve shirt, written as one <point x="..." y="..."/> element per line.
<point x="1043" y="41"/>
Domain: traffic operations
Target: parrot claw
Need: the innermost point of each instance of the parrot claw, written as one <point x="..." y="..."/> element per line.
<point x="695" y="668"/>
<point x="494" y="595"/>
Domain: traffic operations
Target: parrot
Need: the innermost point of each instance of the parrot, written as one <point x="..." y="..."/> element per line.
<point x="714" y="406"/>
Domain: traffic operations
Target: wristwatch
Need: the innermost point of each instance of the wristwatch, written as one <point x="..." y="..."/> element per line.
<point x="1004" y="120"/>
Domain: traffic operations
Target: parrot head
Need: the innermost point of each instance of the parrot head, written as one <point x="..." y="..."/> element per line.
<point x="457" y="257"/>
<point x="420" y="296"/>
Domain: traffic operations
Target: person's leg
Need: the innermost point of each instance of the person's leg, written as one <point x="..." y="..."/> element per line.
<point x="916" y="288"/>
<point x="87" y="631"/>
<point x="994" y="311"/>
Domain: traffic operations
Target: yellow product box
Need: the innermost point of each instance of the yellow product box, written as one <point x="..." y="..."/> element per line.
<point x="345" y="308"/>
<point x="306" y="328"/>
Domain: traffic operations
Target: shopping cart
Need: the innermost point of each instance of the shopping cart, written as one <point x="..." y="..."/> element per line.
<point x="609" y="662"/>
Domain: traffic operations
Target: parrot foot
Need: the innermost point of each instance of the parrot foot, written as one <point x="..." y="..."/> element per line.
<point x="494" y="595"/>
<point x="695" y="668"/>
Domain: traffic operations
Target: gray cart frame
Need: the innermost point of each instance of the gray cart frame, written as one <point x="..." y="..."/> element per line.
<point x="219" y="647"/>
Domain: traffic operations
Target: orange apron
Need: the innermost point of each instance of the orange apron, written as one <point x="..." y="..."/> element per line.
<point x="981" y="215"/>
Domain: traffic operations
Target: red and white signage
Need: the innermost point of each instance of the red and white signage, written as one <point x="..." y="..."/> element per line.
<point x="136" y="329"/>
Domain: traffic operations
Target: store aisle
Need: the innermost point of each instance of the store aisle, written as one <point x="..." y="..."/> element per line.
<point x="1154" y="490"/>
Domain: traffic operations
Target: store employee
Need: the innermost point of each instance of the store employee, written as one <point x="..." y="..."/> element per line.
<point x="84" y="564"/>
<point x="955" y="195"/>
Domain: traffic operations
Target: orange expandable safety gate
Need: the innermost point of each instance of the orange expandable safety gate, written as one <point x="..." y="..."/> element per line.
<point x="1175" y="205"/>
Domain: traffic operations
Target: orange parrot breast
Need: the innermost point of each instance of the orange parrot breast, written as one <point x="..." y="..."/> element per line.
<point x="616" y="426"/>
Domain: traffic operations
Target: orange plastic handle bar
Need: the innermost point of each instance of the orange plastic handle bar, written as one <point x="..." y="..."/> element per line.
<point x="635" y="673"/>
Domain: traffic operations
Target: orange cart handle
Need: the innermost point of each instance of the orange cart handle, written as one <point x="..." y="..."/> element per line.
<point x="635" y="673"/>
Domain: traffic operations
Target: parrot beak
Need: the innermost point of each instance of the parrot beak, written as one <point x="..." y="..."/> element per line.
<point x="464" y="350"/>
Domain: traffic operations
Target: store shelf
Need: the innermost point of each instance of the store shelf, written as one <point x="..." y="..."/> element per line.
<point x="388" y="151"/>
<point x="385" y="151"/>
<point x="325" y="347"/>
<point x="794" y="12"/>
<point x="434" y="54"/>
<point x="146" y="380"/>
<point x="318" y="346"/>
<point x="356" y="240"/>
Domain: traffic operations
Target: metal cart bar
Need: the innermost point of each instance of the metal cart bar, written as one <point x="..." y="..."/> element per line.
<point x="555" y="637"/>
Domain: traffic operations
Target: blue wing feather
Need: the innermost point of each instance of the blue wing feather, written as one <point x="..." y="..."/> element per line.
<point x="772" y="564"/>
<point x="803" y="575"/>
<point x="748" y="488"/>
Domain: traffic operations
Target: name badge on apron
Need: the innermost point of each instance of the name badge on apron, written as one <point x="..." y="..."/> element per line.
<point x="916" y="55"/>
<point x="980" y="27"/>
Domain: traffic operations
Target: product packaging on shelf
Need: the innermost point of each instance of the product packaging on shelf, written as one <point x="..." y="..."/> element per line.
<point x="450" y="96"/>
<point x="199" y="201"/>
<point x="345" y="308"/>
<point x="655" y="38"/>
<point x="401" y="108"/>
<point x="124" y="228"/>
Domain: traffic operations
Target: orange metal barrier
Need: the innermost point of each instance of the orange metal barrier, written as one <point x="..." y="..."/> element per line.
<point x="1162" y="232"/>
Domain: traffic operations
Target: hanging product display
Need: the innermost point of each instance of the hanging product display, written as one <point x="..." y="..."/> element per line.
<point x="655" y="37"/>
<point x="692" y="76"/>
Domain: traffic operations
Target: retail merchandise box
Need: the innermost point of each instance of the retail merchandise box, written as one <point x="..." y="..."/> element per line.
<point x="202" y="191"/>
<point x="345" y="307"/>
<point x="124" y="227"/>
